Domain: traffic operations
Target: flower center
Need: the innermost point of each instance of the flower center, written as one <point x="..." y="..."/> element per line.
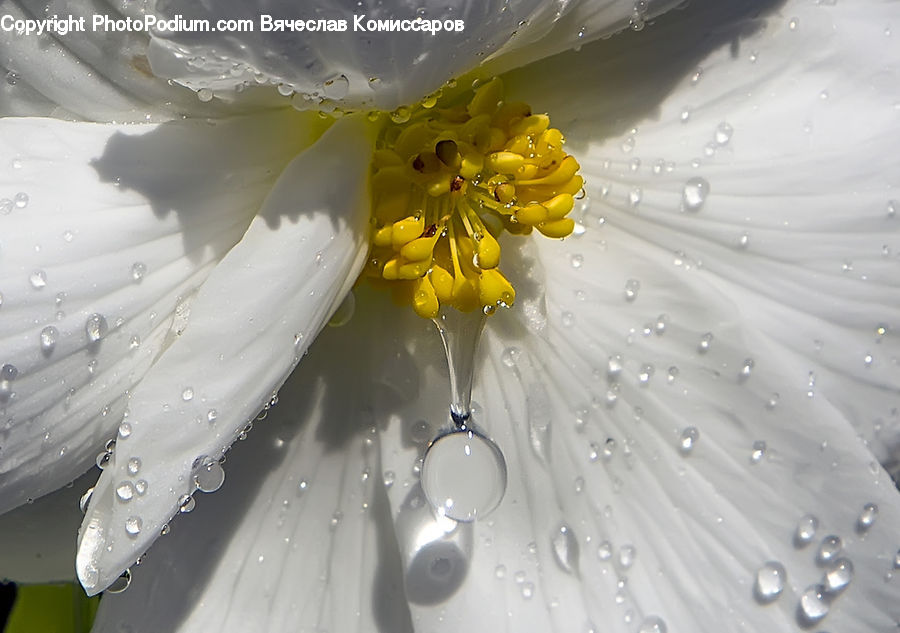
<point x="448" y="181"/>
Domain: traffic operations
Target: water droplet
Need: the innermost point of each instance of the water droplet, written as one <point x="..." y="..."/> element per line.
<point x="685" y="115"/>
<point x="577" y="260"/>
<point x="770" y="579"/>
<point x="140" y="486"/>
<point x="102" y="459"/>
<point x="464" y="475"/>
<point x="389" y="477"/>
<point x="21" y="200"/>
<point x="85" y="500"/>
<point x="609" y="448"/>
<point x="528" y="590"/>
<point x="509" y="356"/>
<point x="38" y="279"/>
<point x="604" y="551"/>
<point x="567" y="319"/>
<point x="138" y="270"/>
<point x="806" y="530"/>
<point x="133" y="526"/>
<point x="187" y="394"/>
<point x="205" y="95"/>
<point x="723" y="133"/>
<point x="661" y="322"/>
<point x="500" y="571"/>
<point x="565" y="549"/>
<point x="645" y="374"/>
<point x="758" y="451"/>
<point x="838" y="576"/>
<point x="337" y="87"/>
<point x="121" y="583"/>
<point x="813" y="606"/>
<point x="653" y="624"/>
<point x="95" y="327"/>
<point x="892" y="206"/>
<point x="134" y="465"/>
<point x="829" y="549"/>
<point x="186" y="503"/>
<point x="746" y="369"/>
<point x="210" y="476"/>
<point x="49" y="336"/>
<point x="694" y="193"/>
<point x="632" y="286"/>
<point x="705" y="343"/>
<point x="6" y="206"/>
<point x="689" y="438"/>
<point x="125" y="491"/>
<point x="614" y="367"/>
<point x="124" y="430"/>
<point x="626" y="556"/>
<point x="212" y="415"/>
<point x="635" y="196"/>
<point x="794" y="23"/>
<point x="867" y="517"/>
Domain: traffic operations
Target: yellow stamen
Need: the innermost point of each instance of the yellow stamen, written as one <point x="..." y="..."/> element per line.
<point x="449" y="177"/>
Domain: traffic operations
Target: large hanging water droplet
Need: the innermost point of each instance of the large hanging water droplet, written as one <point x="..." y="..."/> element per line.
<point x="694" y="193"/>
<point x="565" y="549"/>
<point x="838" y="576"/>
<point x="806" y="530"/>
<point x="95" y="327"/>
<point x="121" y="583"/>
<point x="813" y="606"/>
<point x="337" y="87"/>
<point x="210" y="476"/>
<point x="770" y="579"/>
<point x="464" y="475"/>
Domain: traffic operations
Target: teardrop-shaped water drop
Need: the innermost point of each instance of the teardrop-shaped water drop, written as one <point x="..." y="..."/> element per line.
<point x="770" y="579"/>
<point x="464" y="475"/>
<point x="49" y="336"/>
<point x="95" y="327"/>
<point x="806" y="530"/>
<point x="694" y="193"/>
<point x="565" y="549"/>
<point x="867" y="517"/>
<point x="838" y="576"/>
<point x="813" y="606"/>
<point x="829" y="549"/>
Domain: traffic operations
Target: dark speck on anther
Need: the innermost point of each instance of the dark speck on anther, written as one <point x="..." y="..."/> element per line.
<point x="457" y="183"/>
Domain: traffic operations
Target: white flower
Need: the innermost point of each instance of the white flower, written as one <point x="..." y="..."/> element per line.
<point x="713" y="359"/>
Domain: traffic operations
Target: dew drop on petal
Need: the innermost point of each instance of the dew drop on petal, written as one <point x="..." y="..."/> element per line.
<point x="38" y="279"/>
<point x="770" y="579"/>
<point x="186" y="503"/>
<point x="138" y="270"/>
<point x="49" y="336"/>
<point x="626" y="556"/>
<point x="133" y="526"/>
<point x="6" y="206"/>
<point x="813" y="606"/>
<point x="758" y="451"/>
<point x="85" y="500"/>
<point x="705" y="343"/>
<point x="604" y="551"/>
<point x="653" y="624"/>
<point x="124" y="430"/>
<point x="188" y="394"/>
<point x="829" y="549"/>
<point x="723" y="133"/>
<point x="694" y="193"/>
<point x="867" y="517"/>
<point x="688" y="440"/>
<point x="21" y="200"/>
<point x="464" y="475"/>
<point x="121" y="583"/>
<point x="125" y="491"/>
<point x="140" y="486"/>
<point x="806" y="530"/>
<point x="134" y="465"/>
<point x="565" y="549"/>
<point x="95" y="327"/>
<point x="632" y="286"/>
<point x="209" y="477"/>
<point x="336" y="87"/>
<point x="838" y="576"/>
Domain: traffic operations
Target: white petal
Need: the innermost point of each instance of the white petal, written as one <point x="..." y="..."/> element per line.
<point x="797" y="228"/>
<point x="114" y="221"/>
<point x="234" y="350"/>
<point x="300" y="536"/>
<point x="366" y="68"/>
<point x="95" y="74"/>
